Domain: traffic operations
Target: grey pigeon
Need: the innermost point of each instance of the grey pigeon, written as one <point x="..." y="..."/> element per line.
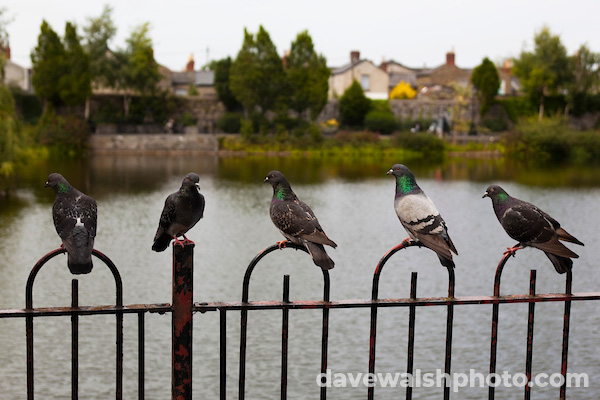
<point x="419" y="217"/>
<point x="75" y="216"/>
<point x="530" y="226"/>
<point x="182" y="210"/>
<point x="297" y="222"/>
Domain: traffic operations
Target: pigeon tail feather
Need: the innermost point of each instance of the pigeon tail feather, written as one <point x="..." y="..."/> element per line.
<point x="446" y="262"/>
<point x="78" y="268"/>
<point x="162" y="242"/>
<point x="319" y="255"/>
<point x="561" y="264"/>
<point x="567" y="237"/>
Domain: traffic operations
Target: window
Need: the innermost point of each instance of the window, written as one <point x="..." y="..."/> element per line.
<point x="364" y="82"/>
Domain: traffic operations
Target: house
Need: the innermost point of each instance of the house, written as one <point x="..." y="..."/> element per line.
<point x="202" y="81"/>
<point x="401" y="73"/>
<point x="14" y="74"/>
<point x="445" y="75"/>
<point x="509" y="84"/>
<point x="374" y="80"/>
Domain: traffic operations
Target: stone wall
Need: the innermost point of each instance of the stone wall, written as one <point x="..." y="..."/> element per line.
<point x="153" y="143"/>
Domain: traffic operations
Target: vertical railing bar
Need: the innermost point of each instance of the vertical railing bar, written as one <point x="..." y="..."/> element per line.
<point x="244" y="311"/>
<point x="565" y="344"/>
<point x="284" y="337"/>
<point x="325" y="332"/>
<point x="374" y="296"/>
<point x="411" y="332"/>
<point x="494" y="335"/>
<point x="141" y="356"/>
<point x="182" y="322"/>
<point x="74" y="341"/>
<point x="223" y="353"/>
<point x="530" y="321"/>
<point x="242" y="371"/>
<point x="449" y="329"/>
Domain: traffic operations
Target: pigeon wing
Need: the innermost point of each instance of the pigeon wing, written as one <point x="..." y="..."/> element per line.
<point x="166" y="217"/>
<point x="293" y="220"/>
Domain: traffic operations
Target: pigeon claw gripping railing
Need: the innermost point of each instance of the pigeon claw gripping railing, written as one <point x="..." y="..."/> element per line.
<point x="530" y="324"/>
<point x="74" y="324"/>
<point x="284" y="328"/>
<point x="411" y="320"/>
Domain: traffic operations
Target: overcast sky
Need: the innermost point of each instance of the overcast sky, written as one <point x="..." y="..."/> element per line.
<point x="414" y="33"/>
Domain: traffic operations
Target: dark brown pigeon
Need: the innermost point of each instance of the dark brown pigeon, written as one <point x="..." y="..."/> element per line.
<point x="75" y="216"/>
<point x="182" y="210"/>
<point x="530" y="226"/>
<point x="297" y="222"/>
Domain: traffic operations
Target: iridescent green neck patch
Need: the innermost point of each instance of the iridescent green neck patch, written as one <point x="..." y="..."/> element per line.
<point x="62" y="188"/>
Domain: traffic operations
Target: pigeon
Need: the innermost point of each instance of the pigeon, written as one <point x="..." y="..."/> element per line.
<point x="297" y="222"/>
<point x="419" y="217"/>
<point x="182" y="210"/>
<point x="75" y="216"/>
<point x="530" y="226"/>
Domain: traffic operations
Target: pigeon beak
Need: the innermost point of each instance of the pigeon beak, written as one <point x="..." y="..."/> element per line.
<point x="266" y="179"/>
<point x="485" y="195"/>
<point x="197" y="186"/>
<point x="391" y="171"/>
<point x="46" y="184"/>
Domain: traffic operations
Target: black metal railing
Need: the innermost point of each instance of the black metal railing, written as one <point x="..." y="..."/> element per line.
<point x="183" y="308"/>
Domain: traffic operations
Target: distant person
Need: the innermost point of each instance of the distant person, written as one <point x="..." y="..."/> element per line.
<point x="169" y="125"/>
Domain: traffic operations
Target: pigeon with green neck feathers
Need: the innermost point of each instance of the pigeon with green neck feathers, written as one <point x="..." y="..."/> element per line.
<point x="182" y="210"/>
<point x="75" y="216"/>
<point x="531" y="226"/>
<point x="419" y="217"/>
<point x="297" y="222"/>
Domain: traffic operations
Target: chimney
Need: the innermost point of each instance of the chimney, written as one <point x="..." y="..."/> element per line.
<point x="5" y="47"/>
<point x="384" y="66"/>
<point x="354" y="57"/>
<point x="190" y="63"/>
<point x="450" y="58"/>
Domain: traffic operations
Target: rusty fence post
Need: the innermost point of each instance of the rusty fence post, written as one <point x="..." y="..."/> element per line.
<point x="183" y="295"/>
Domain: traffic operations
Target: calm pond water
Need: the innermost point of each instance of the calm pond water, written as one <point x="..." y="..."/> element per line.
<point x="353" y="200"/>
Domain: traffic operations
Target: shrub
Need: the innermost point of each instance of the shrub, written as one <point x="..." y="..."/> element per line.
<point x="354" y="106"/>
<point x="187" y="119"/>
<point x="380" y="121"/>
<point x="421" y="142"/>
<point x="552" y="141"/>
<point x="403" y="90"/>
<point x="67" y="133"/>
<point x="230" y="122"/>
<point x="246" y="129"/>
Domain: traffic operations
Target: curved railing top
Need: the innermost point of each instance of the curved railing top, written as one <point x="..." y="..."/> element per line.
<point x="278" y="246"/>
<point x="61" y="250"/>
<point x="403" y="245"/>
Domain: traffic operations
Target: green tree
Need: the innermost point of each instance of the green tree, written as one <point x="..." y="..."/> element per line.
<point x="10" y="132"/>
<point x="486" y="81"/>
<point x="545" y="71"/>
<point x="586" y="78"/>
<point x="48" y="62"/>
<point x="354" y="106"/>
<point x="75" y="85"/>
<point x="308" y="75"/>
<point x="103" y="63"/>
<point x="98" y="33"/>
<point x="3" y="41"/>
<point x="222" y="70"/>
<point x="256" y="77"/>
<point x="138" y="70"/>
